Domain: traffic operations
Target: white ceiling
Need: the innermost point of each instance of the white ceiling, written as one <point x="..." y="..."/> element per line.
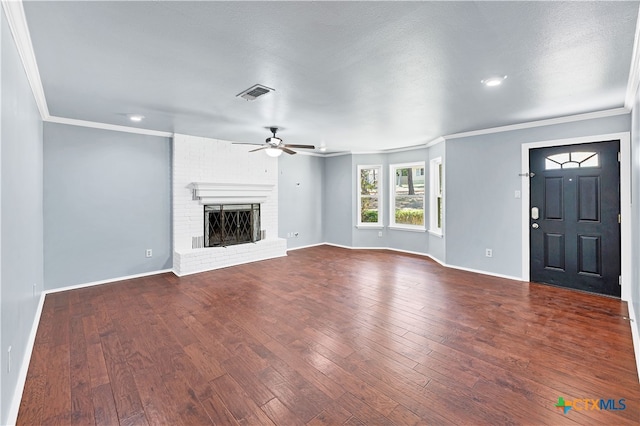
<point x="359" y="76"/>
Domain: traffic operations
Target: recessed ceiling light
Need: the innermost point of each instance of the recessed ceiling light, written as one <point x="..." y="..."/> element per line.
<point x="136" y="118"/>
<point x="493" y="81"/>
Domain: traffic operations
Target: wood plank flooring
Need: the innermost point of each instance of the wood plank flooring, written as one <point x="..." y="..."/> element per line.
<point x="330" y="336"/>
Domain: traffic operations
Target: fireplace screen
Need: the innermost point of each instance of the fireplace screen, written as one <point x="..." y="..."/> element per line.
<point x="229" y="224"/>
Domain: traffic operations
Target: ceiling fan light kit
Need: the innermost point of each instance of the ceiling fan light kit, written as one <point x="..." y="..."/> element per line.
<point x="273" y="152"/>
<point x="274" y="147"/>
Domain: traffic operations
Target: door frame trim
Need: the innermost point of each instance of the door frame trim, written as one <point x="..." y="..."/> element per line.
<point x="625" y="200"/>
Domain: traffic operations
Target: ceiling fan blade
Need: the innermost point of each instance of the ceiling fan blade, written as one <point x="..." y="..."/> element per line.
<point x="245" y="143"/>
<point x="288" y="151"/>
<point x="258" y="149"/>
<point x="300" y="146"/>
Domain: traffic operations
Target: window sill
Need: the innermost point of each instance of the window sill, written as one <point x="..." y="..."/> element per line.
<point x="406" y="228"/>
<point x="438" y="234"/>
<point x="372" y="226"/>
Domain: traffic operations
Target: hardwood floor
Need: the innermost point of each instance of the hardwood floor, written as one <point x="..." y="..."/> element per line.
<point x="330" y="336"/>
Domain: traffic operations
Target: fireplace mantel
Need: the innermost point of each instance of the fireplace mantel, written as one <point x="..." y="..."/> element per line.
<point x="230" y="193"/>
<point x="210" y="172"/>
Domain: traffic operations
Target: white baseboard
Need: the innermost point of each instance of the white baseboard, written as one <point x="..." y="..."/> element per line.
<point x="635" y="334"/>
<point x="435" y="259"/>
<point x="304" y="247"/>
<point x="110" y="280"/>
<point x="12" y="416"/>
<point x="478" y="271"/>
<point x="337" y="245"/>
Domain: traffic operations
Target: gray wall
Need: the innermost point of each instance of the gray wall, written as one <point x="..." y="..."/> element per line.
<point x="107" y="199"/>
<point x="300" y="199"/>
<point x="20" y="214"/>
<point x="337" y="210"/>
<point x="481" y="174"/>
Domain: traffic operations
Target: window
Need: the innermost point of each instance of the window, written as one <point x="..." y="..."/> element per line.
<point x="571" y="160"/>
<point x="407" y="196"/>
<point x="436" y="212"/>
<point x="369" y="196"/>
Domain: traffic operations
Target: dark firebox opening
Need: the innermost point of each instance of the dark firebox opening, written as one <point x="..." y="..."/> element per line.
<point x="230" y="224"/>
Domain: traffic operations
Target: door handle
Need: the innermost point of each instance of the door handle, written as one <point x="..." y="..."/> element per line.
<point x="535" y="213"/>
<point x="535" y="226"/>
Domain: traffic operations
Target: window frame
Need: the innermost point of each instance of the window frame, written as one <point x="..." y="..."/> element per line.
<point x="371" y="225"/>
<point x="392" y="198"/>
<point x="436" y="175"/>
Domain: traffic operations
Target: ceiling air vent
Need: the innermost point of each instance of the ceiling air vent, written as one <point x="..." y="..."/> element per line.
<point x="253" y="92"/>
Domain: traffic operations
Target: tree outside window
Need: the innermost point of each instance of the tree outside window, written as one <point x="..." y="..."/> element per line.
<point x="369" y="212"/>
<point x="408" y="195"/>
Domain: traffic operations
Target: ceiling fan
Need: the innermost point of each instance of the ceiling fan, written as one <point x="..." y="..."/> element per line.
<point x="274" y="146"/>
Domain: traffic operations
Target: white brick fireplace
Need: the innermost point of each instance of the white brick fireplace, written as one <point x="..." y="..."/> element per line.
<point x="209" y="171"/>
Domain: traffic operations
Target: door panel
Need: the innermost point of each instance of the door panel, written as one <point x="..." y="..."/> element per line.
<point x="553" y="195"/>
<point x="554" y="251"/>
<point x="588" y="198"/>
<point x="576" y="242"/>
<point x="589" y="255"/>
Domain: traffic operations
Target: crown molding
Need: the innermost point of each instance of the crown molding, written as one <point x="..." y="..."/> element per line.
<point x="541" y="123"/>
<point x="634" y="71"/>
<point x="104" y="126"/>
<point x="436" y="141"/>
<point x="402" y="149"/>
<point x="520" y="126"/>
<point x="14" y="11"/>
<point x="310" y="153"/>
<point x="391" y="150"/>
<point x="337" y="154"/>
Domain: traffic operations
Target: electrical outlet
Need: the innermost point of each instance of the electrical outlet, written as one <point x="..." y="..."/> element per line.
<point x="488" y="252"/>
<point x="9" y="360"/>
<point x="149" y="253"/>
<point x="379" y="233"/>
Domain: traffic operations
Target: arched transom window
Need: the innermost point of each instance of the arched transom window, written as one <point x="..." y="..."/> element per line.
<point x="572" y="160"/>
